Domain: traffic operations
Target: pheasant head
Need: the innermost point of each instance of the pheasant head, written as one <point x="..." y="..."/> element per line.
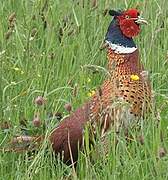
<point x="129" y="21"/>
<point x="124" y="26"/>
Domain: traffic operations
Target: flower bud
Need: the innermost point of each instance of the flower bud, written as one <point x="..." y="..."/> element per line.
<point x="39" y="100"/>
<point x="68" y="107"/>
<point x="161" y="152"/>
<point x="141" y="139"/>
<point x="36" y="122"/>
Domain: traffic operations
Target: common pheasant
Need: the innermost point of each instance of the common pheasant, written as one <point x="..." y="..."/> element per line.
<point x="123" y="99"/>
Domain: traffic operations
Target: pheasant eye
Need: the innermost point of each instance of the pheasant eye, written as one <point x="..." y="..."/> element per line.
<point x="127" y="17"/>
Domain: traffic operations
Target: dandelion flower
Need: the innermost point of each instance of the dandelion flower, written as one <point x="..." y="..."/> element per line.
<point x="134" y="77"/>
<point x="91" y="93"/>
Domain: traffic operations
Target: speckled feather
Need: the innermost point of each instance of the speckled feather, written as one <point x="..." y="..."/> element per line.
<point x="134" y="95"/>
<point x="119" y="102"/>
<point x="136" y="92"/>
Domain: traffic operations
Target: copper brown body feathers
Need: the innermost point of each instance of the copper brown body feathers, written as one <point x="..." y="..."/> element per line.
<point x="123" y="100"/>
<point x="136" y="92"/>
<point x="67" y="138"/>
<point x="119" y="103"/>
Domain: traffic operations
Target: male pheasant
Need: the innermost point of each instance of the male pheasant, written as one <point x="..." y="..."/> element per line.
<point x="124" y="97"/>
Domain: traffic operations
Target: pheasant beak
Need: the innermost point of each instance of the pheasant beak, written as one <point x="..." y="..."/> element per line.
<point x="141" y="20"/>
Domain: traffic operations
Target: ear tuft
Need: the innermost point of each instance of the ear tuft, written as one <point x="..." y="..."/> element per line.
<point x="114" y="13"/>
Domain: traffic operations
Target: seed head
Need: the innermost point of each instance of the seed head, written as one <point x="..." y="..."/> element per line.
<point x="161" y="152"/>
<point x="36" y="122"/>
<point x="68" y="107"/>
<point x="5" y="125"/>
<point x="12" y="17"/>
<point x="141" y="139"/>
<point x="39" y="100"/>
<point x="75" y="90"/>
<point x="8" y="34"/>
<point x="33" y="32"/>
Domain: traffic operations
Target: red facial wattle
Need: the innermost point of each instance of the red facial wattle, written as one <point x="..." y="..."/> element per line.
<point x="127" y="23"/>
<point x="129" y="28"/>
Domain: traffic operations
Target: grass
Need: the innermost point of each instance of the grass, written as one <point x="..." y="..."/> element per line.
<point x="45" y="52"/>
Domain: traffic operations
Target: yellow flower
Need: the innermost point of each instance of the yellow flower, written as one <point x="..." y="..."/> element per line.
<point x="16" y="69"/>
<point x="88" y="80"/>
<point x="91" y="93"/>
<point x="134" y="77"/>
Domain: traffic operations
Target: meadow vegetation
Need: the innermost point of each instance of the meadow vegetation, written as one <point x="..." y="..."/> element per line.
<point x="52" y="49"/>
